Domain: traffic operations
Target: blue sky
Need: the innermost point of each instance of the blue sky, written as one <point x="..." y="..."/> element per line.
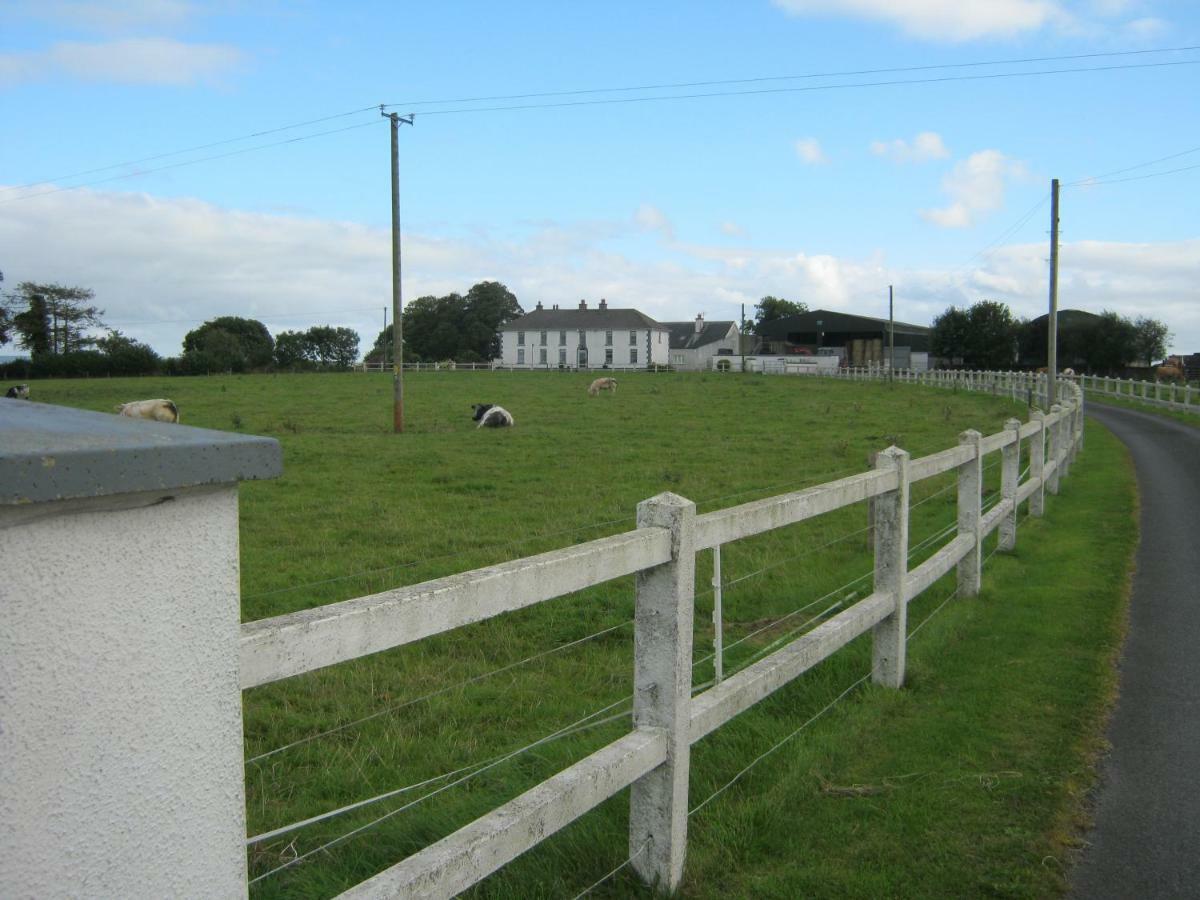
<point x="785" y="179"/>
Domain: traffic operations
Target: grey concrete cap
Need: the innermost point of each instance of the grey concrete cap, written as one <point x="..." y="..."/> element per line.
<point x="58" y="453"/>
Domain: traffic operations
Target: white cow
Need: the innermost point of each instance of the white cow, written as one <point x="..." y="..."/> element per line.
<point x="157" y="410"/>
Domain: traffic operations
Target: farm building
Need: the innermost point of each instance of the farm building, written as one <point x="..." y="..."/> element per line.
<point x="858" y="340"/>
<point x="582" y="338"/>
<point x="694" y="344"/>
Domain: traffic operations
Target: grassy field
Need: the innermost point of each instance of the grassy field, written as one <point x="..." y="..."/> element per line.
<point x="965" y="783"/>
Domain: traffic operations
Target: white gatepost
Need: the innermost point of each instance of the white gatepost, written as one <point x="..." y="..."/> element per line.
<point x="1037" y="464"/>
<point x="970" y="501"/>
<point x="1010" y="476"/>
<point x="121" y="755"/>
<point x="1055" y="435"/>
<point x="662" y="689"/>
<point x="889" y="637"/>
<point x="1066" y="437"/>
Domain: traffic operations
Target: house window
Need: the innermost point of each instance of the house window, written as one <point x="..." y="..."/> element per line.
<point x="520" y="357"/>
<point x="543" y="341"/>
<point x="562" y="355"/>
<point x="633" y="355"/>
<point x="633" y="339"/>
<point x="660" y="337"/>
<point x="542" y="353"/>
<point x="608" y="356"/>
<point x="582" y="338"/>
<point x="520" y="339"/>
<point x="608" y="339"/>
<point x="562" y="339"/>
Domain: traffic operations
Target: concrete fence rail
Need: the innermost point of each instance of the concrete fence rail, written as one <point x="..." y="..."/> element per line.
<point x="652" y="760"/>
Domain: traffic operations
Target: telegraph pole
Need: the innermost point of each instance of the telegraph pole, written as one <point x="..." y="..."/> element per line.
<point x="891" y="338"/>
<point x="1052" y="337"/>
<point x="385" y="353"/>
<point x="397" y="330"/>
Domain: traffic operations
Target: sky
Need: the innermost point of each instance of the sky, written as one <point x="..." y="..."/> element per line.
<point x="187" y="159"/>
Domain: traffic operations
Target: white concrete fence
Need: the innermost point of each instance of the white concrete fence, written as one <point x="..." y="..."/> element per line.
<point x="47" y="834"/>
<point x="1161" y="394"/>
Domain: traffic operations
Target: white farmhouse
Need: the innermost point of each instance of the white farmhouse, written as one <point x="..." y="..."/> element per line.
<point x="583" y="338"/>
<point x="694" y="344"/>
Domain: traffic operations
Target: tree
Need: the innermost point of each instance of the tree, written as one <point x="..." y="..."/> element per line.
<point x="488" y="306"/>
<point x="5" y="321"/>
<point x="126" y="356"/>
<point x="948" y="336"/>
<point x="54" y="318"/>
<point x="292" y="350"/>
<point x="229" y="343"/>
<point x="336" y="348"/>
<point x="991" y="339"/>
<point x="770" y="308"/>
<point x="1150" y="338"/>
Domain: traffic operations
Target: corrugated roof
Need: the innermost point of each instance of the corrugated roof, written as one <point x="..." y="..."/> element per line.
<point x="590" y="319"/>
<point x="833" y="322"/>
<point x="685" y="337"/>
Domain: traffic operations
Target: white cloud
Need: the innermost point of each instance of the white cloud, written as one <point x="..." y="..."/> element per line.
<point x="161" y="267"/>
<point x="975" y="186"/>
<point x="107" y="15"/>
<point x="651" y="218"/>
<point x="732" y="229"/>
<point x="924" y="147"/>
<point x="129" y="61"/>
<point x="809" y="150"/>
<point x="944" y="20"/>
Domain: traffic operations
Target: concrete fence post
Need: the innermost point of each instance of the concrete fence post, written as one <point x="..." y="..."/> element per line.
<point x="662" y="688"/>
<point x="1055" y="437"/>
<point x="1067" y="437"/>
<point x="121" y="759"/>
<point x="889" y="637"/>
<point x="1037" y="464"/>
<point x="970" y="501"/>
<point x="1010" y="477"/>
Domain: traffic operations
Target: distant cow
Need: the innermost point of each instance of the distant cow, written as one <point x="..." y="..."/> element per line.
<point x="18" y="392"/>
<point x="1170" y="373"/>
<point x="489" y="415"/>
<point x="602" y="384"/>
<point x="157" y="410"/>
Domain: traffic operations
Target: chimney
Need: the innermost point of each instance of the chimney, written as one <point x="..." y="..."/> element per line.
<point x="539" y="306"/>
<point x="556" y="306"/>
<point x="699" y="323"/>
<point x="583" y="304"/>
<point x="603" y="303"/>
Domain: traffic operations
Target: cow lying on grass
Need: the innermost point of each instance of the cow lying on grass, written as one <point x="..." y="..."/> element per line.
<point x="491" y="416"/>
<point x="18" y="392"/>
<point x="157" y="410"/>
<point x="602" y="384"/>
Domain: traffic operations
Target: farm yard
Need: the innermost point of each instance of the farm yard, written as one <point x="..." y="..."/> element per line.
<point x="964" y="783"/>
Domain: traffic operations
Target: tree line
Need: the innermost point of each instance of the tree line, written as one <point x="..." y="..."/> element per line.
<point x="52" y="322"/>
<point x="988" y="336"/>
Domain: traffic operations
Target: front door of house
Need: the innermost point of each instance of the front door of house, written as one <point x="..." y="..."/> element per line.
<point x="583" y="364"/>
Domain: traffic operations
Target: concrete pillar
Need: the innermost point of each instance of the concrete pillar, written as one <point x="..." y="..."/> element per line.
<point x="121" y="743"/>
<point x="1037" y="464"/>
<point x="970" y="499"/>
<point x="1067" y="437"/>
<point x="889" y="637"/>
<point x="1055" y="438"/>
<point x="662" y="687"/>
<point x="1010" y="475"/>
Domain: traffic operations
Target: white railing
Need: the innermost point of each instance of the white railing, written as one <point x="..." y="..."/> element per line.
<point x="1162" y="394"/>
<point x="654" y="757"/>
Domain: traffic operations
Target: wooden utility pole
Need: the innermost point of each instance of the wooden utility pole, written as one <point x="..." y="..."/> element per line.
<point x="397" y="330"/>
<point x="891" y="338"/>
<point x="1052" y="336"/>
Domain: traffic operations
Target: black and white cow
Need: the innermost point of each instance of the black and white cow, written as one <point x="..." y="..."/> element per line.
<point x="18" y="392"/>
<point x="489" y="415"/>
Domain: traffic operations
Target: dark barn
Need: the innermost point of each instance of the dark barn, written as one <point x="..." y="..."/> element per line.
<point x="860" y="340"/>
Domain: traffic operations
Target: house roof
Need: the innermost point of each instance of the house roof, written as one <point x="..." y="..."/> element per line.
<point x="684" y="335"/>
<point x="833" y="322"/>
<point x="589" y="319"/>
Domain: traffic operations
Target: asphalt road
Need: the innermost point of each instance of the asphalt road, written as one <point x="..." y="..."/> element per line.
<point x="1146" y="840"/>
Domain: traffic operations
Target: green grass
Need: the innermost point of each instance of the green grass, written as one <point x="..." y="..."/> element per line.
<point x="969" y="778"/>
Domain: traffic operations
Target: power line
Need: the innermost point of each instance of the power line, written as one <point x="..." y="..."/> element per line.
<point x="1136" y="177"/>
<point x="192" y="162"/>
<point x="264" y="318"/>
<point x="208" y="146"/>
<point x="792" y="90"/>
<point x="1094" y="179"/>
<point x="807" y="75"/>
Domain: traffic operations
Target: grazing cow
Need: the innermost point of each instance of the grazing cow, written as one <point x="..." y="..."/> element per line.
<point x="1170" y="373"/>
<point x="490" y="416"/>
<point x="157" y="410"/>
<point x="602" y="384"/>
<point x="18" y="392"/>
<point x="1067" y="373"/>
